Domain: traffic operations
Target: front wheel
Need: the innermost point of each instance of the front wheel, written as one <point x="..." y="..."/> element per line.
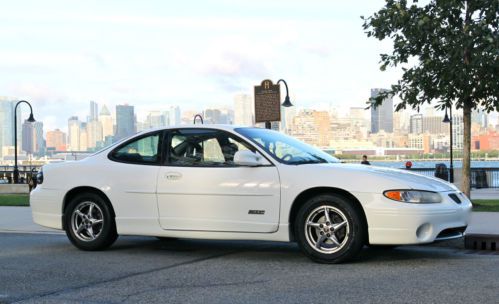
<point x="89" y="223"/>
<point x="329" y="229"/>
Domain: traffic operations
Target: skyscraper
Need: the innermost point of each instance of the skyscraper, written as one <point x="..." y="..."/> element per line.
<point x="243" y="110"/>
<point x="94" y="111"/>
<point x="382" y="115"/>
<point x="74" y="128"/>
<point x="106" y="120"/>
<point x="7" y="106"/>
<point x="39" y="140"/>
<point x="28" y="137"/>
<point x="416" y="124"/>
<point x="125" y="121"/>
<point x="175" y="116"/>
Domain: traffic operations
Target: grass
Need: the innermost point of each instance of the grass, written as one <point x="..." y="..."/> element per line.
<point x="14" y="200"/>
<point x="23" y="200"/>
<point x="486" y="205"/>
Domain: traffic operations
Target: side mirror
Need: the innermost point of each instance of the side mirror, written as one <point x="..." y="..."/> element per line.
<point x="248" y="158"/>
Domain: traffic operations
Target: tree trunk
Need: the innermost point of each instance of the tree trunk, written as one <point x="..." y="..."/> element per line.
<point x="466" y="182"/>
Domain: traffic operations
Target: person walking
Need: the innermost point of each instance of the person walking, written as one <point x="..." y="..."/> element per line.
<point x="364" y="160"/>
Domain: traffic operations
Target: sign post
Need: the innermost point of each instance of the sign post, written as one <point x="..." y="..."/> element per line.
<point x="267" y="103"/>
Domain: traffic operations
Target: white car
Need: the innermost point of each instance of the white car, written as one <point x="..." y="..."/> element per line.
<point x="241" y="183"/>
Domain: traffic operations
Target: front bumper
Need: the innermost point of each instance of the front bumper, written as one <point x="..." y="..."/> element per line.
<point x="46" y="207"/>
<point x="395" y="223"/>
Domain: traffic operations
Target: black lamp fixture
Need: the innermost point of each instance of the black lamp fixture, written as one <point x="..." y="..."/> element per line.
<point x="30" y="119"/>
<point x="448" y="119"/>
<point x="287" y="103"/>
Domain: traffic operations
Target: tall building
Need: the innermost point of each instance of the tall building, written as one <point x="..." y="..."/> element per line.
<point x="243" y="110"/>
<point x="74" y="129"/>
<point x="416" y="124"/>
<point x="125" y="121"/>
<point x="435" y="125"/>
<point x="83" y="137"/>
<point x="94" y="111"/>
<point x="39" y="140"/>
<point x="382" y="115"/>
<point x="28" y="137"/>
<point x="56" y="140"/>
<point x="175" y="116"/>
<point x="154" y="119"/>
<point x="7" y="106"/>
<point x="106" y="121"/>
<point x="312" y="127"/>
<point x="94" y="134"/>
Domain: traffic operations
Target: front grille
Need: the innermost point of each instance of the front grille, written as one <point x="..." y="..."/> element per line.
<point x="455" y="198"/>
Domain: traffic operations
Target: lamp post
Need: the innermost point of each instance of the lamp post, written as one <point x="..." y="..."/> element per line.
<point x="30" y="119"/>
<point x="287" y="102"/>
<point x="448" y="119"/>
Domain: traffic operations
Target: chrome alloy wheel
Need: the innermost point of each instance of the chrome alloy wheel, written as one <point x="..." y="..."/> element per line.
<point x="327" y="229"/>
<point x="87" y="221"/>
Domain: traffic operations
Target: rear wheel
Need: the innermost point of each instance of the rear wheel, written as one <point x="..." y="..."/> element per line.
<point x="89" y="223"/>
<point x="329" y="229"/>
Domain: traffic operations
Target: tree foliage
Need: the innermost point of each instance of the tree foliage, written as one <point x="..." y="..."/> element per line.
<point x="448" y="51"/>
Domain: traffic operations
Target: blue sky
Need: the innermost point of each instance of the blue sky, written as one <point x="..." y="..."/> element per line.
<point x="196" y="54"/>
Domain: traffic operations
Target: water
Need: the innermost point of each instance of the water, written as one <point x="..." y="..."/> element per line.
<point x="431" y="164"/>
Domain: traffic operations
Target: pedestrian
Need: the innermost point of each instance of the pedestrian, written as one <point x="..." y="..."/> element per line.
<point x="364" y="160"/>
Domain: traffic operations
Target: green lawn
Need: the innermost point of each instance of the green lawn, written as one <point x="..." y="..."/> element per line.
<point x="486" y="205"/>
<point x="23" y="200"/>
<point x="14" y="200"/>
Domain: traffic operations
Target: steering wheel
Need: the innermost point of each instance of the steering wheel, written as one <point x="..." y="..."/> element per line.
<point x="288" y="156"/>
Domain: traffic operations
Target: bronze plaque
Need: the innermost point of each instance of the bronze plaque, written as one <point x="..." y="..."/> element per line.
<point x="267" y="102"/>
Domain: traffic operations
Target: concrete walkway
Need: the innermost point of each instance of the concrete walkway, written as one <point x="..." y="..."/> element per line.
<point x="18" y="219"/>
<point x="486" y="193"/>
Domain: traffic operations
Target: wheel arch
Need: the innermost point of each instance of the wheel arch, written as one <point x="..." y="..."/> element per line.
<point x="309" y="193"/>
<point x="83" y="189"/>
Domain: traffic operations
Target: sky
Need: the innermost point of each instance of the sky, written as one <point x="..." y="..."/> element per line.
<point x="59" y="55"/>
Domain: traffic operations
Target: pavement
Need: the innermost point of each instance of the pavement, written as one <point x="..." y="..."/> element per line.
<point x="39" y="265"/>
<point x="485" y="193"/>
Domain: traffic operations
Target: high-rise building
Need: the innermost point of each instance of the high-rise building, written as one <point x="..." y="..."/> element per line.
<point x="7" y="106"/>
<point x="125" y="121"/>
<point x="175" y="116"/>
<point x="83" y="137"/>
<point x="28" y="137"/>
<point x="382" y="115"/>
<point x="243" y="110"/>
<point x="106" y="121"/>
<point x="416" y="124"/>
<point x="94" y="134"/>
<point x="94" y="111"/>
<point x="56" y="140"/>
<point x="212" y="116"/>
<point x="39" y="140"/>
<point x="435" y="125"/>
<point x="154" y="119"/>
<point x="74" y="129"/>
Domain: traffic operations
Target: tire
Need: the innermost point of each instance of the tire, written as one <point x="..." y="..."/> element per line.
<point x="326" y="241"/>
<point x="88" y="214"/>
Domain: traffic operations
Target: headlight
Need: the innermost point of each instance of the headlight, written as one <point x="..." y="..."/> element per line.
<point x="413" y="196"/>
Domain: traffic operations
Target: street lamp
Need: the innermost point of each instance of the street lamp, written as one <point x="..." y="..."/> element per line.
<point x="30" y="119"/>
<point x="287" y="102"/>
<point x="448" y="119"/>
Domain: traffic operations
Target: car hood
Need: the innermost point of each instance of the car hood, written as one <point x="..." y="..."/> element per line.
<point x="394" y="177"/>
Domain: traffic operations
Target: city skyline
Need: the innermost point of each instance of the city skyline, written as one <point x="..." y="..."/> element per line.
<point x="59" y="56"/>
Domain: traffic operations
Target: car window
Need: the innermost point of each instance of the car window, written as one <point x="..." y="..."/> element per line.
<point x="203" y="148"/>
<point x="140" y="151"/>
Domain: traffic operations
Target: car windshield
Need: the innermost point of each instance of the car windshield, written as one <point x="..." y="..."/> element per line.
<point x="284" y="148"/>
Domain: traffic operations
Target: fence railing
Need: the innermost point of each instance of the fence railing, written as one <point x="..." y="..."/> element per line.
<point x="480" y="177"/>
<point x="26" y="172"/>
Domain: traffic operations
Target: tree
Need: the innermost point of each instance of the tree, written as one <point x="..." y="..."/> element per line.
<point x="448" y="51"/>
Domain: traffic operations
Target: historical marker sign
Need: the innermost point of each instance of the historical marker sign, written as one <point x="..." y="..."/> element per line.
<point x="267" y="102"/>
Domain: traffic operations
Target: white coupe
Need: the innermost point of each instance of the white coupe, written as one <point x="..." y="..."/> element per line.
<point x="241" y="183"/>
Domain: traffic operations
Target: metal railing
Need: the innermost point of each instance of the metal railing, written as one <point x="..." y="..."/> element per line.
<point x="26" y="172"/>
<point x="480" y="177"/>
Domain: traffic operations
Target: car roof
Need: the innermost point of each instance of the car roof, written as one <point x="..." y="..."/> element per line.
<point x="197" y="126"/>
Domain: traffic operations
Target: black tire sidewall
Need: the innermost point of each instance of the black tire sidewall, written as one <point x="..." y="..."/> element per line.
<point x="356" y="233"/>
<point x="108" y="234"/>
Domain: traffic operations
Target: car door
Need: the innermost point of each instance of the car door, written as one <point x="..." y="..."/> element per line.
<point x="135" y="165"/>
<point x="200" y="188"/>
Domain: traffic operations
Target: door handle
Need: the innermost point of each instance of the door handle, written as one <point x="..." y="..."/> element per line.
<point x="173" y="175"/>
